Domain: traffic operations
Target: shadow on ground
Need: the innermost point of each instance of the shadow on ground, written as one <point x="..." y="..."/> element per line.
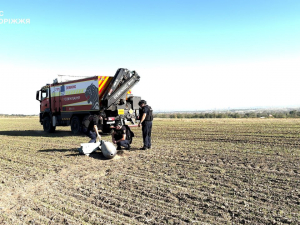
<point x="36" y="133"/>
<point x="96" y="155"/>
<point x="60" y="150"/>
<point x="40" y="133"/>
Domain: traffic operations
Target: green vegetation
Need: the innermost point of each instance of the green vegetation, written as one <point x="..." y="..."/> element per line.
<point x="254" y="114"/>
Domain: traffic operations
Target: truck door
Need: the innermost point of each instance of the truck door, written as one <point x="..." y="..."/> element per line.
<point x="44" y="99"/>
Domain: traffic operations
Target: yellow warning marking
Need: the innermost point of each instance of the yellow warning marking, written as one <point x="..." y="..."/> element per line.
<point x="121" y="111"/>
<point x="100" y="88"/>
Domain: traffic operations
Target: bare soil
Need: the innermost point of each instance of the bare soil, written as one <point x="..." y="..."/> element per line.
<point x="204" y="171"/>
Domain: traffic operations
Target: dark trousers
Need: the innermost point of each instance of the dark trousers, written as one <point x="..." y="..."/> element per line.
<point x="124" y="143"/>
<point x="146" y="128"/>
<point x="91" y="134"/>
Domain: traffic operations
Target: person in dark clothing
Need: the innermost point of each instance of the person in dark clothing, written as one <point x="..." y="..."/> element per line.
<point x="90" y="127"/>
<point x="146" y="118"/>
<point x="119" y="136"/>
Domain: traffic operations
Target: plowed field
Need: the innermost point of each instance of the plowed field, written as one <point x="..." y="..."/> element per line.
<point x="214" y="171"/>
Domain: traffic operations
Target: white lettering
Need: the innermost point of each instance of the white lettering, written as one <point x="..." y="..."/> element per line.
<point x="71" y="98"/>
<point x="1" y="13"/>
<point x="14" y="21"/>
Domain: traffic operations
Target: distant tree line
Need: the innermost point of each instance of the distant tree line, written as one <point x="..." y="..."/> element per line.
<point x="16" y="115"/>
<point x="266" y="114"/>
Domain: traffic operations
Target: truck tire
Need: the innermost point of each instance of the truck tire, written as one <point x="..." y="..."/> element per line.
<point x="75" y="125"/>
<point x="47" y="125"/>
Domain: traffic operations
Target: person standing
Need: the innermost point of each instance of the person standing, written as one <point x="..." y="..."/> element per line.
<point x="146" y="118"/>
<point x="120" y="136"/>
<point x="90" y="127"/>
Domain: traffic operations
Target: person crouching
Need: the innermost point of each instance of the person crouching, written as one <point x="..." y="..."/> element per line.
<point x="90" y="125"/>
<point x="119" y="136"/>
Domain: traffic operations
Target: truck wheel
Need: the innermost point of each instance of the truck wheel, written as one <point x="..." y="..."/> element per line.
<point x="47" y="125"/>
<point x="75" y="125"/>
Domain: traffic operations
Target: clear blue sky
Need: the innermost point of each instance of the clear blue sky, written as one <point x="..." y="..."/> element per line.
<point x="191" y="55"/>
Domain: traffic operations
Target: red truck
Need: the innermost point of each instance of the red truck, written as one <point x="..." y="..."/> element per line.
<point x="67" y="103"/>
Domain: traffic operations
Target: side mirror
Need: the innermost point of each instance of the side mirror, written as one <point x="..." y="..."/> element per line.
<point x="38" y="95"/>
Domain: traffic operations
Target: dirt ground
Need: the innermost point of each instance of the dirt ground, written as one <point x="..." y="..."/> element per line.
<point x="204" y="171"/>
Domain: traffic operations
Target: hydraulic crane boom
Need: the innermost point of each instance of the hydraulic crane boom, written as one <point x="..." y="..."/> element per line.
<point x="123" y="81"/>
<point x="119" y="78"/>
